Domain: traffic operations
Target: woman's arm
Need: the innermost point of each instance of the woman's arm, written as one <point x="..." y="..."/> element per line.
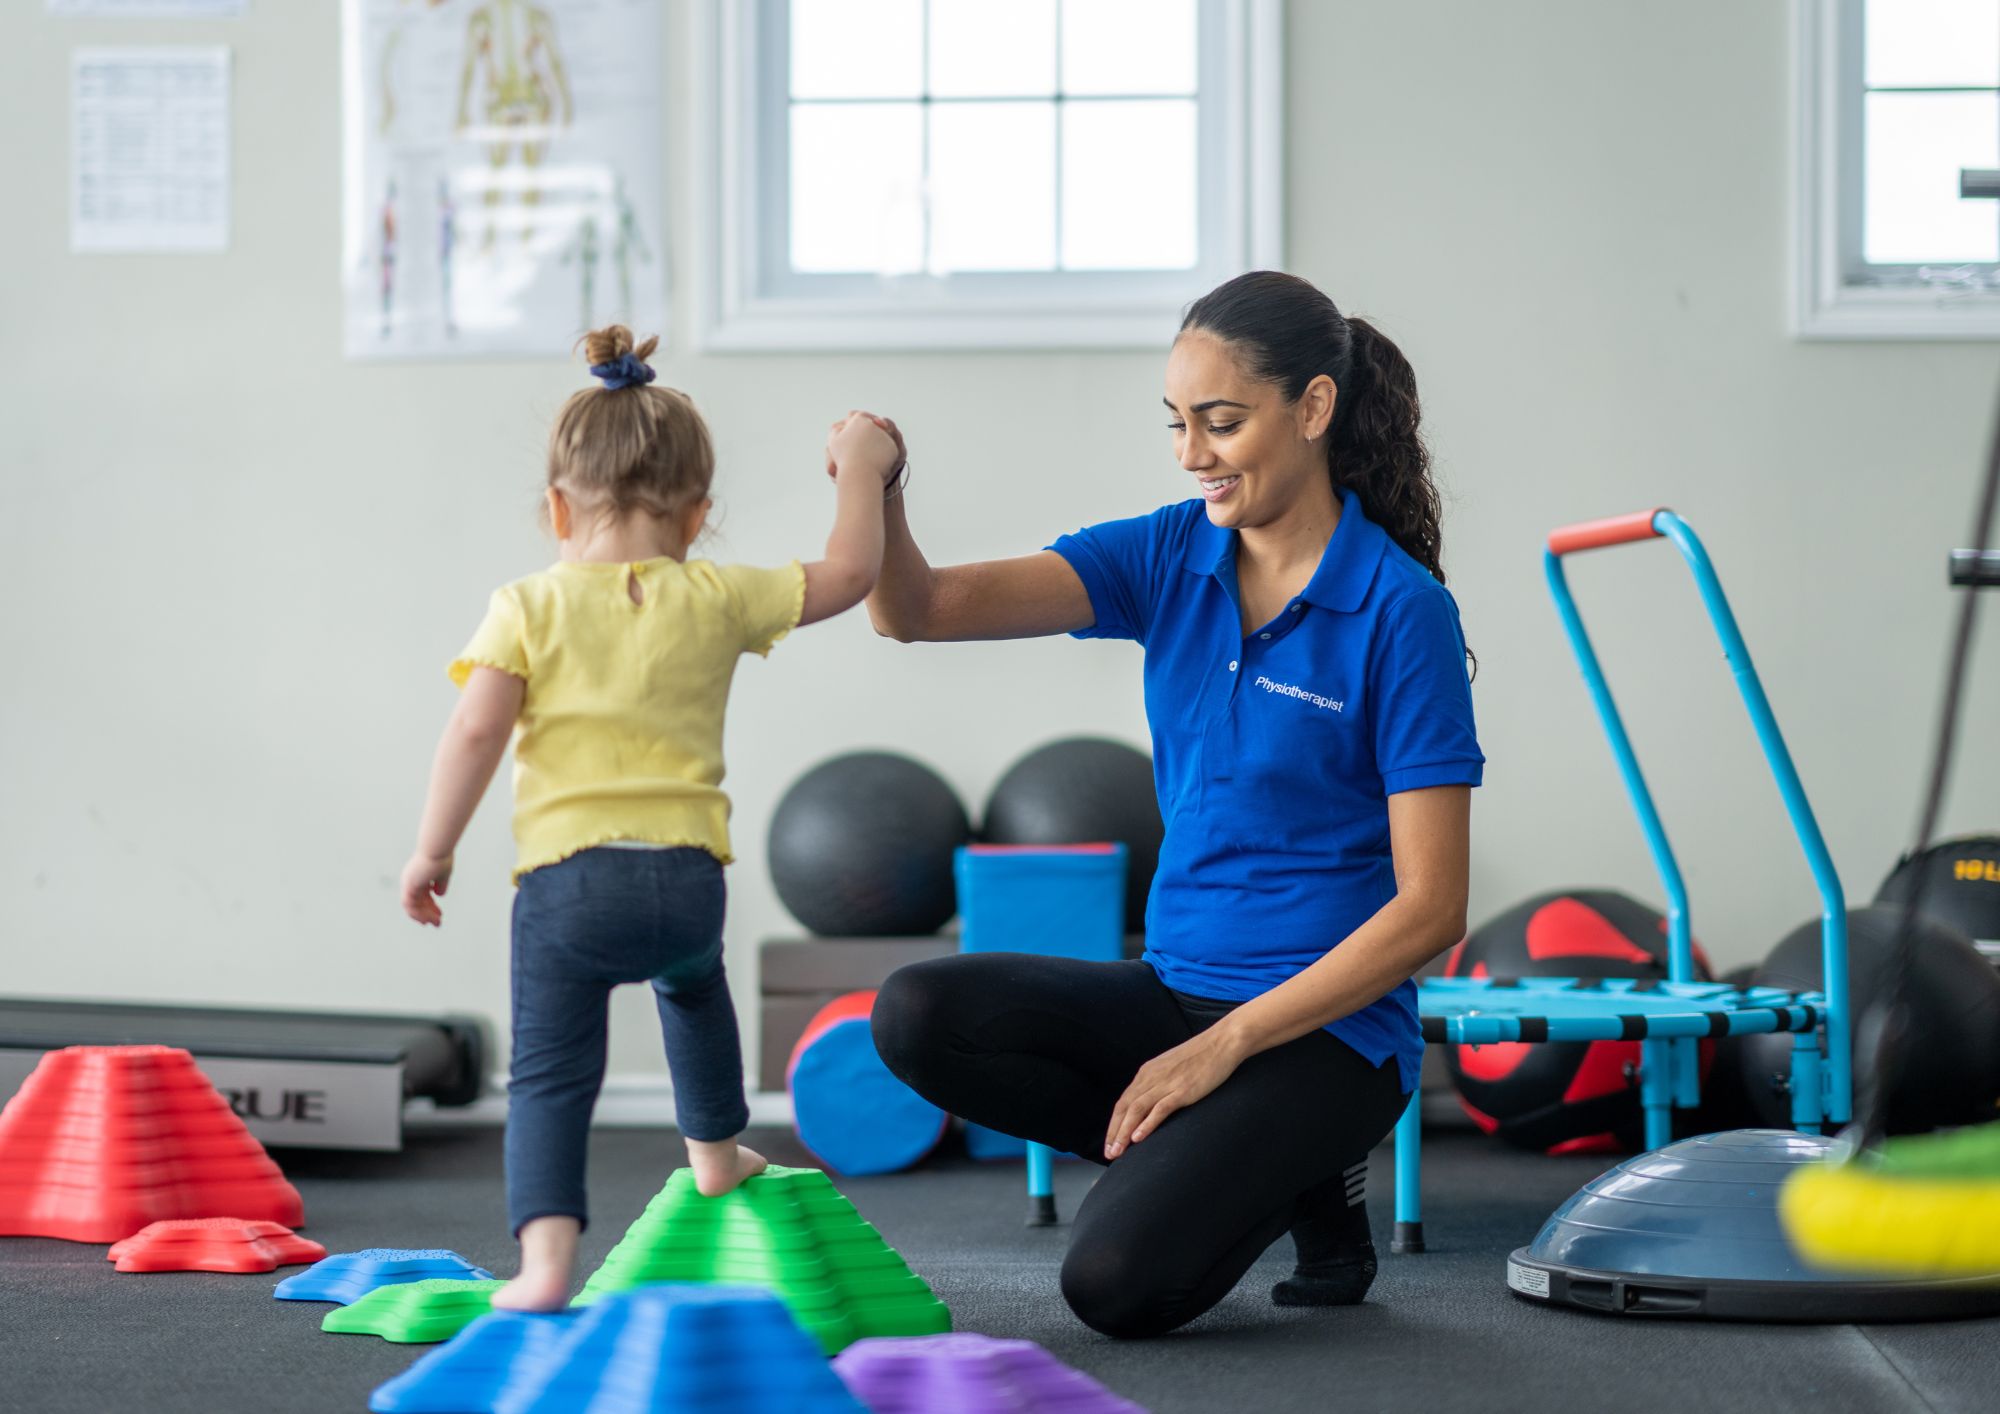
<point x="862" y="455"/>
<point x="1430" y="841"/>
<point x="1028" y="597"/>
<point x="467" y="755"/>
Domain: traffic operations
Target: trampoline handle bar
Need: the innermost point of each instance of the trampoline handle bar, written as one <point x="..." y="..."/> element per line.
<point x="1597" y="534"/>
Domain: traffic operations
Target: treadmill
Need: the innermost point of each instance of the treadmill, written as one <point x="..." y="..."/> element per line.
<point x="320" y="1080"/>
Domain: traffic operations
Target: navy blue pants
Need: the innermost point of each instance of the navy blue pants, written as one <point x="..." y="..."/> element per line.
<point x="581" y="927"/>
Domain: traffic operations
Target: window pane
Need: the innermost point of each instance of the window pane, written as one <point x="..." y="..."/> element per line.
<point x="857" y="48"/>
<point x="857" y="187"/>
<point x="1933" y="43"/>
<point x="980" y="49"/>
<point x="1916" y="144"/>
<point x="993" y="186"/>
<point x="1128" y="46"/>
<point x="1129" y="182"/>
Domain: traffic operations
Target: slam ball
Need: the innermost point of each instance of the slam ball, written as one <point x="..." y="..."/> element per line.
<point x="1947" y="1069"/>
<point x="861" y="846"/>
<point x="1084" y="790"/>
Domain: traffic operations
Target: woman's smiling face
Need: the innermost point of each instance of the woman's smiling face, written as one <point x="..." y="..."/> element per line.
<point x="1252" y="453"/>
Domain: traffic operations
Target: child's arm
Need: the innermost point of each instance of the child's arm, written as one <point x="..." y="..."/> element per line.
<point x="474" y="741"/>
<point x="863" y="457"/>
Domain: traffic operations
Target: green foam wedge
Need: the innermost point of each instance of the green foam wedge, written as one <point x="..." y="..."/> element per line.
<point x="415" y="1312"/>
<point x="789" y="1231"/>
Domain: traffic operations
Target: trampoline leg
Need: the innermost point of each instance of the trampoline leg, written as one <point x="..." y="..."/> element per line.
<point x="1409" y="1233"/>
<point x="1807" y="1107"/>
<point x="1041" y="1185"/>
<point x="1656" y="1092"/>
<point x="1687" y="1073"/>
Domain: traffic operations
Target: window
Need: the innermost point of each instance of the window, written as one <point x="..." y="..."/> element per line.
<point x="1898" y="136"/>
<point x="965" y="173"/>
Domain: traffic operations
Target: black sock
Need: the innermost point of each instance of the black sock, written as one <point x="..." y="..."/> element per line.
<point x="1336" y="1256"/>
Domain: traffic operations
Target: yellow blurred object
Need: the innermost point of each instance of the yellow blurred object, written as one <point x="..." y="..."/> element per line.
<point x="1928" y="1206"/>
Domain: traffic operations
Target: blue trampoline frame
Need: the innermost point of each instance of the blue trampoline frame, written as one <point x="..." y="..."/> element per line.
<point x="1668" y="1019"/>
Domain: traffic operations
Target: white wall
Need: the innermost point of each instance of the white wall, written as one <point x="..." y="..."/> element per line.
<point x="232" y="564"/>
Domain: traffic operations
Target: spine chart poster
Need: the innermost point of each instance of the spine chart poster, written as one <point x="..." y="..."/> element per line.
<point x="502" y="185"/>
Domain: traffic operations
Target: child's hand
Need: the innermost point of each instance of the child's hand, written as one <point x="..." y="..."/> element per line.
<point x="859" y="439"/>
<point x="425" y="879"/>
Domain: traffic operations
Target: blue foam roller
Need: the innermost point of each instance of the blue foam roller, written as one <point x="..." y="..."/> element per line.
<point x="854" y="1115"/>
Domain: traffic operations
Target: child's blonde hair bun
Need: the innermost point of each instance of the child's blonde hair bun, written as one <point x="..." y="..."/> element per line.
<point x="609" y="344"/>
<point x="639" y="447"/>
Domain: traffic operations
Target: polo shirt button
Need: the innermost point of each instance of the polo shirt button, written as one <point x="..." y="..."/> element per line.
<point x="1263" y="635"/>
<point x="1232" y="665"/>
<point x="1297" y="607"/>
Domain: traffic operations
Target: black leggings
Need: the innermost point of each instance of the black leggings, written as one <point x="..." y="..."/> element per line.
<point x="1042" y="1047"/>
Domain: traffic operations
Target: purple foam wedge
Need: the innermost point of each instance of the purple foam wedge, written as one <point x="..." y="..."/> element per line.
<point x="969" y="1374"/>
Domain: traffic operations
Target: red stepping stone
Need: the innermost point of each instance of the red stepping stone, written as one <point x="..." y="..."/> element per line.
<point x="213" y="1245"/>
<point x="102" y="1140"/>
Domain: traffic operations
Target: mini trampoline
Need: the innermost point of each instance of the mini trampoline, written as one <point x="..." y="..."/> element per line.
<point x="1688" y="1228"/>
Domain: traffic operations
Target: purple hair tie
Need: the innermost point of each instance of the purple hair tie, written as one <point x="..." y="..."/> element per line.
<point x="622" y="372"/>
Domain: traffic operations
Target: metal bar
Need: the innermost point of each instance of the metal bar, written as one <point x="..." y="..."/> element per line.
<point x="1975" y="569"/>
<point x="1833" y="901"/>
<point x="1656" y="1093"/>
<point x="1409" y="1231"/>
<point x="1680" y="945"/>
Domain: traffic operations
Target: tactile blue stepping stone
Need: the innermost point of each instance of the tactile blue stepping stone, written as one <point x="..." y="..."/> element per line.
<point x="719" y="1349"/>
<point x="348" y="1276"/>
<point x="475" y="1367"/>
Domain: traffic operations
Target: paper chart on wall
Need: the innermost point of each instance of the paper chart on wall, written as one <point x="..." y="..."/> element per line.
<point x="502" y="185"/>
<point x="149" y="162"/>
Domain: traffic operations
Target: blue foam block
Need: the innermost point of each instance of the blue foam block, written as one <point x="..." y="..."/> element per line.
<point x="1057" y="902"/>
<point x="852" y="1112"/>
<point x="349" y="1276"/>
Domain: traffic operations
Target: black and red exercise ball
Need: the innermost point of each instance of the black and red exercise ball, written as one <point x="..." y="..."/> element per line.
<point x="1946" y="1069"/>
<point x="1084" y="790"/>
<point x="861" y="846"/>
<point x="1565" y="1097"/>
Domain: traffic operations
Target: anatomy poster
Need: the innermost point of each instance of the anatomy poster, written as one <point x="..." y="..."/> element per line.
<point x="502" y="190"/>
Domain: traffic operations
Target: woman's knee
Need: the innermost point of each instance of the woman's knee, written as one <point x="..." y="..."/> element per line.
<point x="1114" y="1293"/>
<point x="911" y="1018"/>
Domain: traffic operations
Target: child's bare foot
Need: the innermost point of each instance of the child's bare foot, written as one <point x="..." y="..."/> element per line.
<point x="548" y="1253"/>
<point x="721" y="1165"/>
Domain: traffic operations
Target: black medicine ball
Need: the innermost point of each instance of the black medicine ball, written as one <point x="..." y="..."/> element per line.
<point x="1084" y="790"/>
<point x="861" y="846"/>
<point x="1947" y="1066"/>
<point x="1960" y="880"/>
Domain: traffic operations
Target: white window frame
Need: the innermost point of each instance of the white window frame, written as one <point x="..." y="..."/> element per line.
<point x="741" y="304"/>
<point x="1827" y="40"/>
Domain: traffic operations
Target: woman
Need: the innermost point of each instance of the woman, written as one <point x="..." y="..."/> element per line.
<point x="1314" y="751"/>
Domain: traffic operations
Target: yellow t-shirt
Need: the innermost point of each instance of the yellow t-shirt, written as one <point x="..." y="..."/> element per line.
<point x="620" y="733"/>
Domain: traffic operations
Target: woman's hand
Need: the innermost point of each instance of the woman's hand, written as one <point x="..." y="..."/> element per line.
<point x="425" y="878"/>
<point x="1170" y="1081"/>
<point x="887" y="425"/>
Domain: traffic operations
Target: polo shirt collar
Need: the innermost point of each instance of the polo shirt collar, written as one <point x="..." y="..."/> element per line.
<point x="1345" y="570"/>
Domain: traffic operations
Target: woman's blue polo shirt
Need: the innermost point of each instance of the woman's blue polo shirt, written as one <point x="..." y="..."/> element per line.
<point x="1275" y="753"/>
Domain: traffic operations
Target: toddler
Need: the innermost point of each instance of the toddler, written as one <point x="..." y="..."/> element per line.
<point x="609" y="672"/>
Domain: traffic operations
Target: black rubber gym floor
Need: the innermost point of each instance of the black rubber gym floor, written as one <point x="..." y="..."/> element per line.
<point x="1439" y="1333"/>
